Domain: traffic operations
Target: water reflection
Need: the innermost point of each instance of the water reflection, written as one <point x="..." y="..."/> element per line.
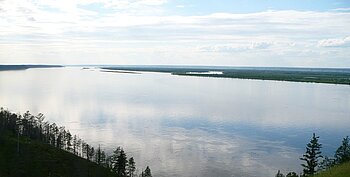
<point x="186" y="126"/>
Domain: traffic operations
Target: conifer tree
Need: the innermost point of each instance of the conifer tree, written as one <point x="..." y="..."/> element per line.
<point x="68" y="141"/>
<point x="91" y="152"/>
<point x="131" y="167"/>
<point x="311" y="156"/>
<point x="279" y="174"/>
<point x="121" y="164"/>
<point x="98" y="155"/>
<point x="34" y="127"/>
<point x="103" y="159"/>
<point x="343" y="152"/>
<point x="292" y="174"/>
<point x="113" y="159"/>
<point x="147" y="172"/>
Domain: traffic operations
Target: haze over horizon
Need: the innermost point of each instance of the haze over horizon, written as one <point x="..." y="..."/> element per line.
<point x="312" y="33"/>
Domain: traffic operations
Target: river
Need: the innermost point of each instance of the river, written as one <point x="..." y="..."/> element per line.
<point x="186" y="126"/>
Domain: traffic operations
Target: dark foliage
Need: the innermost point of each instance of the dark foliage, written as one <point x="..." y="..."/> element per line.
<point x="343" y="152"/>
<point x="317" y="75"/>
<point x="30" y="130"/>
<point x="279" y="174"/>
<point x="327" y="163"/>
<point x="311" y="156"/>
<point x="292" y="174"/>
<point x="146" y="173"/>
<point x="131" y="167"/>
<point x="23" y="67"/>
<point x="313" y="152"/>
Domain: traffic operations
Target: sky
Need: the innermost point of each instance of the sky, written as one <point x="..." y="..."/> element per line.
<point x="287" y="33"/>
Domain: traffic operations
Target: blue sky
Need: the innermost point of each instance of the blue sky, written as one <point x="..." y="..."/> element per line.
<point x="202" y="7"/>
<point x="249" y="6"/>
<point x="312" y="33"/>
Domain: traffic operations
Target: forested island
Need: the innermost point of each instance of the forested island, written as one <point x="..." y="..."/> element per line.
<point x="32" y="147"/>
<point x="315" y="75"/>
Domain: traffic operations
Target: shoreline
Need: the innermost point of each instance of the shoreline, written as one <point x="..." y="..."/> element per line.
<point x="326" y="76"/>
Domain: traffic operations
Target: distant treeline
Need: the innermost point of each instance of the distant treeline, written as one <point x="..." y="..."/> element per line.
<point x="35" y="128"/>
<point x="293" y="76"/>
<point x="23" y="67"/>
<point x="316" y="75"/>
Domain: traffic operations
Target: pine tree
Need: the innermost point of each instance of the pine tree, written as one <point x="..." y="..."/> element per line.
<point x="343" y="152"/>
<point x="113" y="159"/>
<point x="91" y="153"/>
<point x="110" y="163"/>
<point x="313" y="153"/>
<point x="279" y="174"/>
<point x="68" y="141"/>
<point x="121" y="164"/>
<point x="103" y="159"/>
<point x="292" y="174"/>
<point x="98" y="155"/>
<point x="33" y="127"/>
<point x="75" y="143"/>
<point x="131" y="167"/>
<point x="147" y="172"/>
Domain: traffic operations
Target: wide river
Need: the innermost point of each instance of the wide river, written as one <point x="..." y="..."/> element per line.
<point x="187" y="126"/>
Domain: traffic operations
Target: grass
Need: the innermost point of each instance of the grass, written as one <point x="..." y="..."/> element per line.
<point x="342" y="170"/>
<point x="36" y="159"/>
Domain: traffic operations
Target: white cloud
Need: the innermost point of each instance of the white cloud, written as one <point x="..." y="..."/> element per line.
<point x="139" y="26"/>
<point x="152" y="2"/>
<point x="235" y="47"/>
<point x="180" y="6"/>
<point x="343" y="42"/>
<point x="132" y="5"/>
<point x="341" y="9"/>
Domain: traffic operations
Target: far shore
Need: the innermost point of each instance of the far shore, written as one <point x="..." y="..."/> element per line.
<point x="24" y="67"/>
<point x="313" y="75"/>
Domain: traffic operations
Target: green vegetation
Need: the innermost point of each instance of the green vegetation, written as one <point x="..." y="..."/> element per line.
<point x="316" y="75"/>
<point x="343" y="152"/>
<point x="311" y="156"/>
<point x="342" y="170"/>
<point x="37" y="159"/>
<point x="337" y="167"/>
<point x="29" y="146"/>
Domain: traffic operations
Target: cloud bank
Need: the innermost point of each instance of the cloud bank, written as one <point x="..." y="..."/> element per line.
<point x="145" y="32"/>
<point x="343" y="42"/>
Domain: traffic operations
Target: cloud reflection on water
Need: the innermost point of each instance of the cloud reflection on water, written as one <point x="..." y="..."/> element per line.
<point x="186" y="126"/>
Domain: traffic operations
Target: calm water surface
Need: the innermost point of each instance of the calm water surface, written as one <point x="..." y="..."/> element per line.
<point x="186" y="126"/>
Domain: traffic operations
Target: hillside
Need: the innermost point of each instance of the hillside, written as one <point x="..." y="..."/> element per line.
<point x="342" y="170"/>
<point x="36" y="159"/>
